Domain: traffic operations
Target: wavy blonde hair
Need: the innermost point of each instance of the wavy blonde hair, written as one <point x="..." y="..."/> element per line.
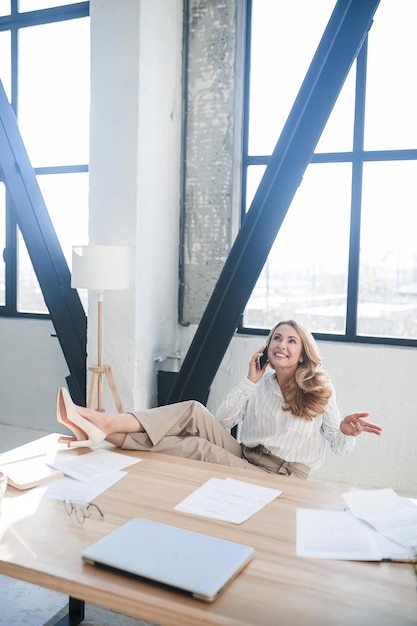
<point x="308" y="393"/>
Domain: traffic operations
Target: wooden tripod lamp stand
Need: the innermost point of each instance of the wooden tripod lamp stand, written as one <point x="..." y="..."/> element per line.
<point x="100" y="269"/>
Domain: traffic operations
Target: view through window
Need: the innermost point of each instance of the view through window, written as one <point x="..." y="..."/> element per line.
<point x="45" y="71"/>
<point x="344" y="262"/>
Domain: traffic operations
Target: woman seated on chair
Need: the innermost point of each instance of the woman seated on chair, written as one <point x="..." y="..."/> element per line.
<point x="284" y="416"/>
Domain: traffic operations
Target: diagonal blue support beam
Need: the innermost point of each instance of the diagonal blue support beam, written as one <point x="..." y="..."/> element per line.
<point x="341" y="42"/>
<point x="49" y="263"/>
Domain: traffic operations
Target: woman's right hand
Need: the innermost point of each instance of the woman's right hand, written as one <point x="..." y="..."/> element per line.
<point x="254" y="373"/>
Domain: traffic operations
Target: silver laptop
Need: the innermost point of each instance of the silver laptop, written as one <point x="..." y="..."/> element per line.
<point x="191" y="562"/>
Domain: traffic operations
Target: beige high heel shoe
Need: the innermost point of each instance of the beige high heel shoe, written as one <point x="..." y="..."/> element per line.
<point x="86" y="434"/>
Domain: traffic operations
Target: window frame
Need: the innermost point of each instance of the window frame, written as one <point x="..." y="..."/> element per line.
<point x="357" y="158"/>
<point x="13" y="23"/>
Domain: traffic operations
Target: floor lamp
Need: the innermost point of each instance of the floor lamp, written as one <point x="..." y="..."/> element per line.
<point x="100" y="269"/>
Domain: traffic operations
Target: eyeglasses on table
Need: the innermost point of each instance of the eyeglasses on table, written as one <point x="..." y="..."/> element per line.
<point x="82" y="511"/>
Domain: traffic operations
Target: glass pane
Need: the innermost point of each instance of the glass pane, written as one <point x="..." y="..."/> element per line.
<point x="5" y="7"/>
<point x="285" y="36"/>
<point x="34" y="5"/>
<point x="2" y="244"/>
<point x="305" y="276"/>
<point x="29" y="294"/>
<point x="5" y="63"/>
<point x="54" y="82"/>
<point x="66" y="196"/>
<point x="388" y="257"/>
<point x="337" y="135"/>
<point x="254" y="175"/>
<point x="391" y="97"/>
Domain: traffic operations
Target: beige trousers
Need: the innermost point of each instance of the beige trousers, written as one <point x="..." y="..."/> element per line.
<point x="186" y="429"/>
<point x="189" y="430"/>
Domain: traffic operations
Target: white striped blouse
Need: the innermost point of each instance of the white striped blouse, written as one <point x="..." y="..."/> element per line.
<point x="256" y="408"/>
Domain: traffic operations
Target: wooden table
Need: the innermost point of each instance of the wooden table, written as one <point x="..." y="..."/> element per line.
<point x="40" y="544"/>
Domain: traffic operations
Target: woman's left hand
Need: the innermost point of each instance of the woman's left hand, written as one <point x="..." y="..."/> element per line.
<point x="354" y="425"/>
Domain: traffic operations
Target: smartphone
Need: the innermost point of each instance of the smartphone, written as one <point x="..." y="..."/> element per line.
<point x="263" y="358"/>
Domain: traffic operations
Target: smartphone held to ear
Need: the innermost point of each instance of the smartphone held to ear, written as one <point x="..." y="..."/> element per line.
<point x="263" y="358"/>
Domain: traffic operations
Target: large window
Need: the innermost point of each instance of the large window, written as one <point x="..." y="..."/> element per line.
<point x="45" y="71"/>
<point x="344" y="262"/>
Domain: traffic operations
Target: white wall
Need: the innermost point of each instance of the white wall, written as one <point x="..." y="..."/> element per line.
<point x="136" y="117"/>
<point x="32" y="367"/>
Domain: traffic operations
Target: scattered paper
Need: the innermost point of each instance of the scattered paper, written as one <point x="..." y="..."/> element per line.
<point x="81" y="492"/>
<point x="86" y="475"/>
<point x="89" y="466"/>
<point x="364" y="502"/>
<point x="379" y="525"/>
<point x="45" y="445"/>
<point x="391" y="515"/>
<point x="334" y="535"/>
<point x="227" y="499"/>
<point x="31" y="472"/>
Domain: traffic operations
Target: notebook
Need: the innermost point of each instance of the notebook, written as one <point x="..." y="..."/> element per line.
<point x="197" y="564"/>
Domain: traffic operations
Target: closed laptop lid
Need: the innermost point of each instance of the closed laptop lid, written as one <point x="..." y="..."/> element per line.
<point x="192" y="562"/>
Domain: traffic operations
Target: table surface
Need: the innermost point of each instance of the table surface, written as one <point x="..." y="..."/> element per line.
<point x="40" y="544"/>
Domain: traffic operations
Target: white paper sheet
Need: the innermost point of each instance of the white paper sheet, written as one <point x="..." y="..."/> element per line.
<point x="393" y="516"/>
<point x="334" y="535"/>
<point x="89" y="466"/>
<point x="324" y="534"/>
<point x="81" y="492"/>
<point x="227" y="499"/>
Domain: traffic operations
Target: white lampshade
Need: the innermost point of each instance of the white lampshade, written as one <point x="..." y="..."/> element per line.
<point x="100" y="268"/>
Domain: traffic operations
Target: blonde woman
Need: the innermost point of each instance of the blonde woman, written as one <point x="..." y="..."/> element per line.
<point x="285" y="410"/>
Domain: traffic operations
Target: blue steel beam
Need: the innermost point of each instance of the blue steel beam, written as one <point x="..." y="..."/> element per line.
<point x="341" y="42"/>
<point x="49" y="263"/>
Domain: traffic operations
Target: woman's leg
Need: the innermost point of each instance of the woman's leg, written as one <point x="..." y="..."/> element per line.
<point x="185" y="429"/>
<point x="145" y="430"/>
<point x="200" y="449"/>
<point x="182" y="419"/>
<point x="115" y="426"/>
<point x="188" y="430"/>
